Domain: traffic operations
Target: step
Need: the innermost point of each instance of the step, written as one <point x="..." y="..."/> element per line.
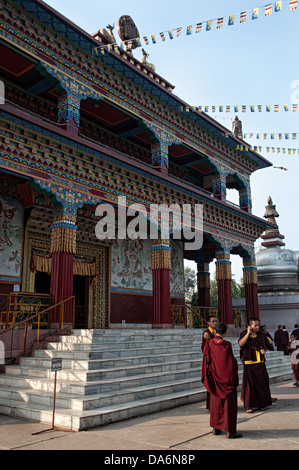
<point x="109" y="375"/>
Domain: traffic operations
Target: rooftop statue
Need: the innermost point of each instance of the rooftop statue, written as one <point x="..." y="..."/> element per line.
<point x="237" y="128"/>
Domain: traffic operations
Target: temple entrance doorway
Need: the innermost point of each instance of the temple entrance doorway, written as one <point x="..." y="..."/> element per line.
<point x="42" y="283"/>
<point x="81" y="292"/>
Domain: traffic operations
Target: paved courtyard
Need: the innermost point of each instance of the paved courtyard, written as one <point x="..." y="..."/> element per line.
<point x="182" y="429"/>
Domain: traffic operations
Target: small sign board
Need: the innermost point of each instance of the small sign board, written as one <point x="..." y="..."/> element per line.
<point x="56" y="364"/>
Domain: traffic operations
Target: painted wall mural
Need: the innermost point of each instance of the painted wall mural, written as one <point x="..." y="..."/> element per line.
<point x="11" y="236"/>
<point x="131" y="266"/>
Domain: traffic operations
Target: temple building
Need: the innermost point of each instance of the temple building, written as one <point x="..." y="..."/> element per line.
<point x="80" y="128"/>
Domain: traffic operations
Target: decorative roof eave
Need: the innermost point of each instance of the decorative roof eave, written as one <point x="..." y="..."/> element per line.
<point x="154" y="85"/>
<point x="138" y="167"/>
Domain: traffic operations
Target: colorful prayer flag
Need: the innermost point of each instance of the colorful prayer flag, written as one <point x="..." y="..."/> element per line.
<point x="154" y="38"/>
<point x="278" y="5"/>
<point x="286" y="136"/>
<point x="206" y="109"/>
<point x="243" y="16"/>
<point x="276" y="108"/>
<point x="170" y="34"/>
<point x="267" y="108"/>
<point x="293" y="4"/>
<point x="145" y="38"/>
<point x="227" y="109"/>
<point x="286" y="107"/>
<point x="189" y="30"/>
<point x="294" y="107"/>
<point x="198" y="28"/>
<point x="162" y="36"/>
<point x="231" y="20"/>
<point x="243" y="109"/>
<point x="219" y="23"/>
<point x="178" y="31"/>
<point x="138" y="42"/>
<point x="252" y="109"/>
<point x="265" y="136"/>
<point x="272" y="136"/>
<point x="259" y="107"/>
<point x="268" y="9"/>
<point x="280" y="136"/>
<point x="220" y="109"/>
<point x="294" y="136"/>
<point x="213" y="109"/>
<point x="236" y="109"/>
<point x="255" y="13"/>
<point x="209" y="25"/>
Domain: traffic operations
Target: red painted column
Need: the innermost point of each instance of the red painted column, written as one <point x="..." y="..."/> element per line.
<point x="63" y="248"/>
<point x="203" y="286"/>
<point x="251" y="291"/>
<point x="223" y="276"/>
<point x="161" y="265"/>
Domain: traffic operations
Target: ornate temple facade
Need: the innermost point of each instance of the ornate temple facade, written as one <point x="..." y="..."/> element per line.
<point x="79" y="129"/>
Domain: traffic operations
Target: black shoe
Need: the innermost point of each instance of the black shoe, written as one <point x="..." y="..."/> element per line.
<point x="216" y="432"/>
<point x="233" y="435"/>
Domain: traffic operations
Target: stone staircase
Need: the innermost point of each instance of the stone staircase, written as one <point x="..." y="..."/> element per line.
<point x="112" y="375"/>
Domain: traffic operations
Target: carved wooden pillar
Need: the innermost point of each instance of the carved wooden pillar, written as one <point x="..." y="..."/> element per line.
<point x="223" y="277"/>
<point x="250" y="283"/>
<point x="245" y="199"/>
<point x="219" y="186"/>
<point x="63" y="248"/>
<point x="160" y="156"/>
<point x="161" y="265"/>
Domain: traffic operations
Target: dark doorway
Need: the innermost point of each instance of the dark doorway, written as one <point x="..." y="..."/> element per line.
<point x="42" y="283"/>
<point x="81" y="291"/>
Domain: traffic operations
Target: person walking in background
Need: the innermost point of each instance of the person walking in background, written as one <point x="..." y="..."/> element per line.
<point x="295" y="332"/>
<point x="220" y="378"/>
<point x="281" y="338"/>
<point x="293" y="350"/>
<point x="255" y="392"/>
<point x="264" y="329"/>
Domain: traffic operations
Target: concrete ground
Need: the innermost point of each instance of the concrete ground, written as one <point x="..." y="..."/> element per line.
<point x="181" y="429"/>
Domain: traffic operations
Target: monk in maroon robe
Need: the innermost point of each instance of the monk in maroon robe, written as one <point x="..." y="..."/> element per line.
<point x="210" y="331"/>
<point x="293" y="350"/>
<point x="206" y="336"/>
<point x="220" y="378"/>
<point x="255" y="391"/>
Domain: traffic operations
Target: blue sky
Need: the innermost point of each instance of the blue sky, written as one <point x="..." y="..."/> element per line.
<point x="253" y="63"/>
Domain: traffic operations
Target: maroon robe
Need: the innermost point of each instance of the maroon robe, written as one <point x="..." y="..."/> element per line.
<point x="255" y="391"/>
<point x="203" y="342"/>
<point x="220" y="378"/>
<point x="291" y="348"/>
<point x="281" y="339"/>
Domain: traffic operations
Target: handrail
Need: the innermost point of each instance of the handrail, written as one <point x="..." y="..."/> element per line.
<point x="191" y="318"/>
<point x="60" y="304"/>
